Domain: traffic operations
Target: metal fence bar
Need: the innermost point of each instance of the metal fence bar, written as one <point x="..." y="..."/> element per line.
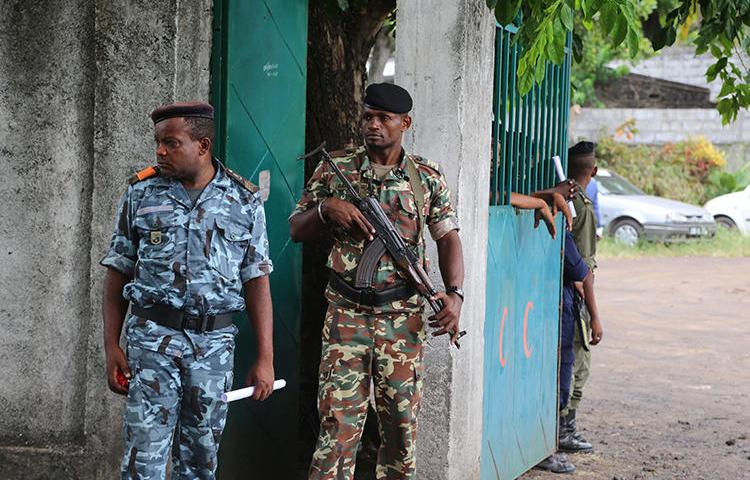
<point x="555" y="110"/>
<point x="548" y="122"/>
<point x="535" y="139"/>
<point x="529" y="157"/>
<point x="522" y="134"/>
<point x="517" y="125"/>
<point x="527" y="131"/>
<point x="566" y="103"/>
<point x="505" y="196"/>
<point x="496" y="111"/>
<point x="510" y="133"/>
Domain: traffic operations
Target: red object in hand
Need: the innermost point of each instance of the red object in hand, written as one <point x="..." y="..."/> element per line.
<point x="122" y="380"/>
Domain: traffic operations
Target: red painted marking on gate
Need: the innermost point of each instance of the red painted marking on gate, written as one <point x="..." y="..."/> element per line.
<point x="503" y="360"/>
<point x="526" y="348"/>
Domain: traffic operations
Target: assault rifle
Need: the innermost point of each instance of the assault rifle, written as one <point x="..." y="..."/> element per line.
<point x="387" y="239"/>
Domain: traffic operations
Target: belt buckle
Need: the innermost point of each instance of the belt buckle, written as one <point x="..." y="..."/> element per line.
<point x="367" y="296"/>
<point x="205" y="319"/>
<point x="195" y="322"/>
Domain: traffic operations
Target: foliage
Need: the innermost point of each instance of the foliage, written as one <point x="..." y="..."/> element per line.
<point x="685" y="171"/>
<point x="721" y="27"/>
<point x="726" y="243"/>
<point x="719" y="182"/>
<point x="724" y="30"/>
<point x="546" y="24"/>
<point x="591" y="68"/>
<point x="594" y="54"/>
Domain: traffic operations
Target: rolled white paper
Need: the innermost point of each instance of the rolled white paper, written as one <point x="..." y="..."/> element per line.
<point x="248" y="392"/>
<point x="561" y="177"/>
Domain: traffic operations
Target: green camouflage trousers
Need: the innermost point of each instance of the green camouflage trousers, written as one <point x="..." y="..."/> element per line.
<point x="359" y="347"/>
<point x="581" y="366"/>
<point x="175" y="397"/>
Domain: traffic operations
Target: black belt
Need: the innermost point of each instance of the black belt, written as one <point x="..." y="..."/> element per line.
<point x="368" y="296"/>
<point x="179" y="320"/>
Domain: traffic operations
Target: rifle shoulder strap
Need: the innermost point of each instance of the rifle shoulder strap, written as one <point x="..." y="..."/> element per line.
<point x="418" y="189"/>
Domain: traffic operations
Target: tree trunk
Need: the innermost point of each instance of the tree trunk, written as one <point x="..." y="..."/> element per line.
<point x="339" y="44"/>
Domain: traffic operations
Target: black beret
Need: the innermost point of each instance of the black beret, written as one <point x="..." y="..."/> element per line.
<point x="581" y="149"/>
<point x="183" y="109"/>
<point x="388" y="97"/>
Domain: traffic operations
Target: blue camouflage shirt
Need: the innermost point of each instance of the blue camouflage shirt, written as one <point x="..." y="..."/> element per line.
<point x="190" y="257"/>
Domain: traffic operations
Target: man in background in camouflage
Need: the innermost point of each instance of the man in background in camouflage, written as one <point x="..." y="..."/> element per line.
<point x="189" y="249"/>
<point x="588" y="327"/>
<point x="377" y="333"/>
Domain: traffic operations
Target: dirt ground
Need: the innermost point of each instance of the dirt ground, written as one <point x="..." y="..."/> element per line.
<point x="669" y="393"/>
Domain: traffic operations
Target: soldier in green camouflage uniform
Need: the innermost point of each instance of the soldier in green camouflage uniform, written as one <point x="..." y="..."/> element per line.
<point x="186" y="243"/>
<point x="588" y="331"/>
<point x="379" y="340"/>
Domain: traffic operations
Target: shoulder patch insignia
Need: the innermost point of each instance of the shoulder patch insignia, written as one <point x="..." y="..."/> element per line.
<point x="346" y="152"/>
<point x="144" y="174"/>
<point x="245" y="183"/>
<point x="423" y="162"/>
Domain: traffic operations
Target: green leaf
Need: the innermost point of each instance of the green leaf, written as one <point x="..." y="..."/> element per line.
<point x="727" y="88"/>
<point x="609" y="16"/>
<point x="506" y="11"/>
<point x="619" y="31"/>
<point x="566" y="16"/>
<point x="525" y="83"/>
<point x="671" y="36"/>
<point x="540" y="70"/>
<point x="523" y="65"/>
<point x="660" y="38"/>
<point x="491" y="4"/>
<point x="714" y="69"/>
<point x="633" y="43"/>
<point x="593" y="7"/>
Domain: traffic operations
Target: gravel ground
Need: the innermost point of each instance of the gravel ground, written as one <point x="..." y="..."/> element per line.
<point x="669" y="393"/>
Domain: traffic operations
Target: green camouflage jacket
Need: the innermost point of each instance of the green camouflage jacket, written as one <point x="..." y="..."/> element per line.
<point x="398" y="201"/>
<point x="584" y="228"/>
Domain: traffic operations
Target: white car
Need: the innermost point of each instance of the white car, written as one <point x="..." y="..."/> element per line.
<point x="732" y="210"/>
<point x="629" y="215"/>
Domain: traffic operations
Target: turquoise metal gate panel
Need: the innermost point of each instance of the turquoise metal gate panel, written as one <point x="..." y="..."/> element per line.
<point x="258" y="87"/>
<point x="523" y="269"/>
<point x="521" y="344"/>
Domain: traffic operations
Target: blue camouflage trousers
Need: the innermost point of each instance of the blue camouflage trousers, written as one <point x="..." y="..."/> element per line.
<point x="174" y="402"/>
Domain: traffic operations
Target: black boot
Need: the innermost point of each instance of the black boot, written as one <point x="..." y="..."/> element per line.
<point x="566" y="438"/>
<point x="556" y="463"/>
<point x="574" y="427"/>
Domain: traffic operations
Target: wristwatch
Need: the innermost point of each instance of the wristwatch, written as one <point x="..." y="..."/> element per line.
<point x="456" y="290"/>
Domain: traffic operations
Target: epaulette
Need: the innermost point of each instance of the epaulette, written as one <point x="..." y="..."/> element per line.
<point x="346" y="152"/>
<point x="426" y="163"/>
<point x="144" y="174"/>
<point x="247" y="184"/>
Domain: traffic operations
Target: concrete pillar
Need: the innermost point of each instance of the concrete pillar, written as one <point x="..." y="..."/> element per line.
<point x="78" y="81"/>
<point x="444" y="57"/>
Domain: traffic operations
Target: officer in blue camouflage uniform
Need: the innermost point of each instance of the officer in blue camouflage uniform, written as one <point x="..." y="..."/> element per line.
<point x="189" y="249"/>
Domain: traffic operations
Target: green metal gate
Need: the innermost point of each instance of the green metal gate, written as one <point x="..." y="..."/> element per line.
<point x="523" y="269"/>
<point x="527" y="131"/>
<point x="258" y="88"/>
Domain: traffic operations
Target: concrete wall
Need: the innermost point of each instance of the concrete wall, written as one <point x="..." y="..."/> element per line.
<point x="679" y="64"/>
<point x="452" y="90"/>
<point x="78" y="81"/>
<point x="658" y="126"/>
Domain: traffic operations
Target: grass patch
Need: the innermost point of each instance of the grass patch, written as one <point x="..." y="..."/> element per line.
<point x="724" y="244"/>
